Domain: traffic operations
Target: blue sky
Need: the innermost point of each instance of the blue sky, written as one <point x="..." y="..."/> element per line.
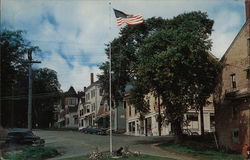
<point x="72" y="33"/>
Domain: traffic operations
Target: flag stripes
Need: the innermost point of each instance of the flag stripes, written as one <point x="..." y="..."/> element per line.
<point x="130" y="19"/>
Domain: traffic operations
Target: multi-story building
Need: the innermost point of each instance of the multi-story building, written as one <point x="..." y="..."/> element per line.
<point x="81" y="108"/>
<point x="93" y="97"/>
<point x="71" y="106"/>
<point x="233" y="95"/>
<point x="117" y="113"/>
<point x="148" y="124"/>
<point x="67" y="112"/>
<point x="193" y="118"/>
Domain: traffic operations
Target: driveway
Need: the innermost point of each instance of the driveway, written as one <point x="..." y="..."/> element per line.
<point x="73" y="143"/>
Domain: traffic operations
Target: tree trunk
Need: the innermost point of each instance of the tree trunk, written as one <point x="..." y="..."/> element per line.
<point x="159" y="116"/>
<point x="202" y="121"/>
<point x="178" y="131"/>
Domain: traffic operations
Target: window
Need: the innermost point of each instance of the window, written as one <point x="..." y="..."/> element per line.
<point x="129" y="110"/>
<point x="212" y="120"/>
<point x="248" y="73"/>
<point x="235" y="136"/>
<point x="92" y="93"/>
<point x="75" y="120"/>
<point x="233" y="80"/>
<point x="93" y="107"/>
<point x="124" y="104"/>
<point x="234" y="112"/>
<point x="88" y="109"/>
<point x="132" y="127"/>
<point x="248" y="42"/>
<point x="106" y="107"/>
<point x="101" y="92"/>
<point x="192" y="117"/>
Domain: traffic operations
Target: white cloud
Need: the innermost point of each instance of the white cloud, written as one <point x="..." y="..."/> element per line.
<point x="72" y="34"/>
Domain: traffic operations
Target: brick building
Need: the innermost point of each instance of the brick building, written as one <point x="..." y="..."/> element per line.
<point x="233" y="94"/>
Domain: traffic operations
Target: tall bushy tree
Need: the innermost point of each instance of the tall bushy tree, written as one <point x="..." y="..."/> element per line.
<point x="124" y="50"/>
<point x="176" y="64"/>
<point x="46" y="94"/>
<point x="13" y="50"/>
<point x="14" y="82"/>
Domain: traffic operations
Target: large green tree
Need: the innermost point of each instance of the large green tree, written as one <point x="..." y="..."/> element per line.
<point x="175" y="63"/>
<point x="13" y="50"/>
<point x="46" y="92"/>
<point x="14" y="82"/>
<point x="124" y="50"/>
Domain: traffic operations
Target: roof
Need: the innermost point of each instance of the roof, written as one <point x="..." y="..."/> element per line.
<point x="101" y="111"/>
<point x="246" y="23"/>
<point x="93" y="84"/>
<point x="71" y="92"/>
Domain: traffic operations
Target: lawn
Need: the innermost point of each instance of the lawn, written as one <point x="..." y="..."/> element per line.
<point x="142" y="157"/>
<point x="200" y="149"/>
<point x="29" y="153"/>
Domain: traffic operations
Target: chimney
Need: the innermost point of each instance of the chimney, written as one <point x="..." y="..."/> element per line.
<point x="91" y="78"/>
<point x="247" y="5"/>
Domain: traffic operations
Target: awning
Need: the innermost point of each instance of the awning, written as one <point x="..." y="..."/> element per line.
<point x="100" y="117"/>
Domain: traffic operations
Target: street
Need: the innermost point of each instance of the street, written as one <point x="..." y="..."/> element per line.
<point x="73" y="143"/>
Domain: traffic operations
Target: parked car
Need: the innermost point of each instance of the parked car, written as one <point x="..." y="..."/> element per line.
<point x="23" y="137"/>
<point x="94" y="130"/>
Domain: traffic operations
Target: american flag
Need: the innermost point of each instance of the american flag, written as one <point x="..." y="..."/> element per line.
<point x="130" y="19"/>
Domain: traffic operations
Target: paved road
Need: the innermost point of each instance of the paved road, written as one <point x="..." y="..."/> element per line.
<point x="73" y="143"/>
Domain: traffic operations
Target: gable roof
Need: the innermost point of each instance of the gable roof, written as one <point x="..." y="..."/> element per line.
<point x="71" y="92"/>
<point x="236" y="37"/>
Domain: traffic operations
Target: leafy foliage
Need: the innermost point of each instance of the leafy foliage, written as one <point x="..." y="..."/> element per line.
<point x="124" y="50"/>
<point x="169" y="58"/>
<point x="176" y="64"/>
<point x="14" y="83"/>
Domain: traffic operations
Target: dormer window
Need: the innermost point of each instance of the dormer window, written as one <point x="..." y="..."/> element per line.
<point x="233" y="80"/>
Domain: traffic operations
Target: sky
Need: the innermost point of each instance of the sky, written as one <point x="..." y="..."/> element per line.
<point x="72" y="33"/>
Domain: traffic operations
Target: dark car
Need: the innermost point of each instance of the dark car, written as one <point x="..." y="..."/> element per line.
<point x="94" y="130"/>
<point x="23" y="137"/>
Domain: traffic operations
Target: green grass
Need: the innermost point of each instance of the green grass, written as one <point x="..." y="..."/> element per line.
<point x="142" y="157"/>
<point x="29" y="153"/>
<point x="200" y="151"/>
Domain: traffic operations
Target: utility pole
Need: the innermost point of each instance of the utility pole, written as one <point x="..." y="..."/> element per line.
<point x="30" y="62"/>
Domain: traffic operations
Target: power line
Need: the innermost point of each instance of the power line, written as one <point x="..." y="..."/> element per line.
<point x="22" y="97"/>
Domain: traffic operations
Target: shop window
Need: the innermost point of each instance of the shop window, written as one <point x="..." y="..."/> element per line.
<point x="131" y="127"/>
<point x="212" y="120"/>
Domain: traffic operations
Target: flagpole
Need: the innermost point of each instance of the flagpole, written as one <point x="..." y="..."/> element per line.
<point x="110" y="101"/>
